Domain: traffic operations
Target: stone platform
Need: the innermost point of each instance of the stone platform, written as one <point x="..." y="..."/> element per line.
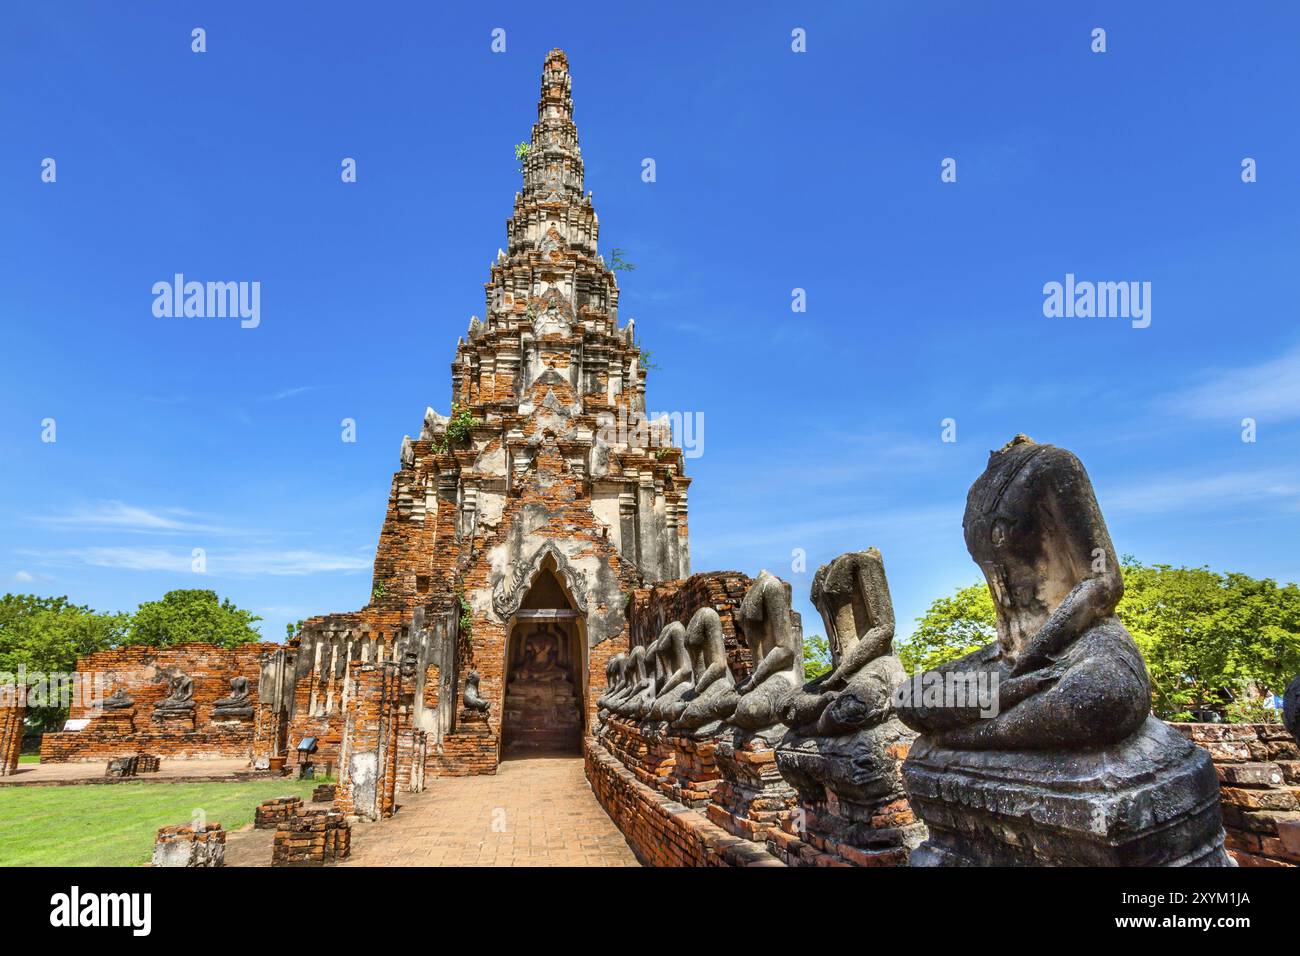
<point x="1152" y="800"/>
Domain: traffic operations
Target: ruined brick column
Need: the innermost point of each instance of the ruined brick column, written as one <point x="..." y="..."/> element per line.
<point x="11" y="735"/>
<point x="368" y="764"/>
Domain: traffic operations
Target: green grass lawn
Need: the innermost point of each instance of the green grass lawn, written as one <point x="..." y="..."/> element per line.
<point x="29" y="758"/>
<point x="115" y="824"/>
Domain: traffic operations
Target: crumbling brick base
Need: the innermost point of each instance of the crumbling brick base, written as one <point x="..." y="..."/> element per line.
<point x="313" y="836"/>
<point x="190" y="846"/>
<point x="661" y="831"/>
<point x="1258" y="766"/>
<point x="753" y="797"/>
<point x="468" y="752"/>
<point x="11" y="737"/>
<point x="275" y="813"/>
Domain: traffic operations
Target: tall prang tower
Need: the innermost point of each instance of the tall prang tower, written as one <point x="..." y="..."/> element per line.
<point x="529" y="514"/>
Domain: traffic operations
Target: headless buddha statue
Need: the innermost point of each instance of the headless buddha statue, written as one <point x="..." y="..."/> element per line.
<point x="623" y="680"/>
<point x="613" y="675"/>
<point x="712" y="697"/>
<point x="641" y="692"/>
<point x="853" y="597"/>
<point x="238" y="704"/>
<point x="180" y="696"/>
<point x="1066" y="672"/>
<point x="777" y="648"/>
<point x="675" y="674"/>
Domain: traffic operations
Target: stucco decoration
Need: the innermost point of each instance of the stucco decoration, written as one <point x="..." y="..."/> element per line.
<point x="508" y="593"/>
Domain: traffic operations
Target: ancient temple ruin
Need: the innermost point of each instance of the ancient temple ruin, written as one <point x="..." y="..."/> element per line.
<point x="519" y="523"/>
<point x="532" y="592"/>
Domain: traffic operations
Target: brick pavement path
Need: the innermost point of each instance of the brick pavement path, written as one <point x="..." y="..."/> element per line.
<point x="535" y="812"/>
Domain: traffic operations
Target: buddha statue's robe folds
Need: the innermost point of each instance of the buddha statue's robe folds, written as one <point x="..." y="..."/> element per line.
<point x="1040" y="748"/>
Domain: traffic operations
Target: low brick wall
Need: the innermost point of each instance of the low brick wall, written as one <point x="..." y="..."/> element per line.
<point x="661" y="831"/>
<point x="1259" y="778"/>
<point x="142" y="674"/>
<point x="312" y="837"/>
<point x="188" y="846"/>
<point x="274" y="813"/>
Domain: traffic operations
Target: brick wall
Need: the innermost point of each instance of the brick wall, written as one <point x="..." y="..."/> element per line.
<point x="654" y="608"/>
<point x="142" y="672"/>
<point x="1259" y="779"/>
<point x="661" y="831"/>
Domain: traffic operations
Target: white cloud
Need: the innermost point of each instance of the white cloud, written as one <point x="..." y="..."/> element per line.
<point x="1266" y="391"/>
<point x="114" y="515"/>
<point x="24" y="577"/>
<point x="290" y="392"/>
<point x="1222" y="490"/>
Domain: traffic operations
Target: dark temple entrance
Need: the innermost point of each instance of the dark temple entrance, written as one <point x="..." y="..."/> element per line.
<point x="545" y="670"/>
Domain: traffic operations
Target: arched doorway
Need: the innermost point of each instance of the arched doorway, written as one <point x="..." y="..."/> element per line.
<point x="546" y="671"/>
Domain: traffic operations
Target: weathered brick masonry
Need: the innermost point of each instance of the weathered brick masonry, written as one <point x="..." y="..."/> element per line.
<point x="11" y="737"/>
<point x="661" y="831"/>
<point x="142" y="673"/>
<point x="1259" y="789"/>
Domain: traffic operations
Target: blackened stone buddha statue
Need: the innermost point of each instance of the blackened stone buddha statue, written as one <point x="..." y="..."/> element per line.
<point x="1040" y="749"/>
<point x="712" y="697"/>
<point x="238" y="704"/>
<point x="674" y="665"/>
<point x="844" y="749"/>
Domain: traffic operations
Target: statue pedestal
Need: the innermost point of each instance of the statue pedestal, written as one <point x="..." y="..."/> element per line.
<point x="1152" y="800"/>
<point x="175" y="721"/>
<point x="695" y="771"/>
<point x="753" y="797"/>
<point x="852" y="805"/>
<point x="116" y="722"/>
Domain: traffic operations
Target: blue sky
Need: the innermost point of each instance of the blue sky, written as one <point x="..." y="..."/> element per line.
<point x="775" y="171"/>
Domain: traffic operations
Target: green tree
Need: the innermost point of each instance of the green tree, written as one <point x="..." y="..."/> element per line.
<point x="816" y="656"/>
<point x="1212" y="641"/>
<point x="193" y="615"/>
<point x="1219" y="642"/>
<point x="46" y="635"/>
<point x="951" y="628"/>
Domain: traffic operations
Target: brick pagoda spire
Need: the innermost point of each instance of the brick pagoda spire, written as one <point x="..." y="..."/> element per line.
<point x="543" y="498"/>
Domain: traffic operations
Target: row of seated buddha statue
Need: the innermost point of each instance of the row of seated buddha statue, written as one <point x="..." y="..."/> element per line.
<point x="1037" y="749"/>
<point x="683" y="679"/>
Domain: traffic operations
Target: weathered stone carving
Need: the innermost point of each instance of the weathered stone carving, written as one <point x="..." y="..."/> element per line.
<point x="1039" y="749"/>
<point x="614" y="682"/>
<point x="118" y="700"/>
<point x="674" y="664"/>
<point x="476" y="708"/>
<point x="238" y="704"/>
<point x="853" y="597"/>
<point x="180" y="697"/>
<point x="845" y="746"/>
<point x="509" y="592"/>
<point x="712" y="697"/>
<point x="777" y="647"/>
<point x="641" y="692"/>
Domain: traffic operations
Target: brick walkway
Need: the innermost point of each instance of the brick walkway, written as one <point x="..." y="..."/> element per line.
<point x="534" y="812"/>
